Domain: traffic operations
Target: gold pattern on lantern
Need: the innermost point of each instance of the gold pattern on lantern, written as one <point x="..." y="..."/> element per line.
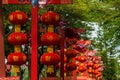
<point x="19" y="16"/>
<point x="56" y="17"/>
<point x="18" y="38"/>
<point x="11" y="17"/>
<point x="47" y="58"/>
<point x="50" y="38"/>
<point x="15" y="58"/>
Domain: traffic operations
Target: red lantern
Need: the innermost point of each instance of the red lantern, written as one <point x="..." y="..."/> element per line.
<point x="81" y="58"/>
<point x="96" y="66"/>
<point x="71" y="53"/>
<point x="50" y="18"/>
<point x="90" y="71"/>
<point x="96" y="71"/>
<point x="70" y="66"/>
<point x="99" y="74"/>
<point x="82" y="68"/>
<point x="50" y="38"/>
<point x="17" y="38"/>
<point x="90" y="64"/>
<point x="17" y="17"/>
<point x="50" y="58"/>
<point x="16" y="58"/>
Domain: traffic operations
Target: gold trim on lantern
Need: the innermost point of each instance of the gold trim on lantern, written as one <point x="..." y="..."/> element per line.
<point x="11" y="17"/>
<point x="17" y="48"/>
<point x="50" y="48"/>
<point x="50" y="69"/>
<point x="19" y="16"/>
<point x="15" y="58"/>
<point x="50" y="28"/>
<point x="57" y="17"/>
<point x="17" y="28"/>
<point x="47" y="58"/>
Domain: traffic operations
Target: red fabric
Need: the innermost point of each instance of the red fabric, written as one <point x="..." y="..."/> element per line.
<point x="34" y="43"/>
<point x="60" y="2"/>
<point x="26" y="2"/>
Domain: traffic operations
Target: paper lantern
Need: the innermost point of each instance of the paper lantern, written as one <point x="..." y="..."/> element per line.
<point x="50" y="18"/>
<point x="90" y="71"/>
<point x="96" y="66"/>
<point x="70" y="53"/>
<point x="82" y="68"/>
<point x="17" y="17"/>
<point x="50" y="38"/>
<point x="50" y="58"/>
<point x="90" y="64"/>
<point x="17" y="38"/>
<point x="70" y="66"/>
<point x="16" y="58"/>
<point x="96" y="71"/>
<point x="81" y="58"/>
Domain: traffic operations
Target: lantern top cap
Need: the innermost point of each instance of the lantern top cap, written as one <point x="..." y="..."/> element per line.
<point x="17" y="10"/>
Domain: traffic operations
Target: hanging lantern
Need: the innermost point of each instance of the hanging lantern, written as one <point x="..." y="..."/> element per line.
<point x="50" y="58"/>
<point x="17" y="38"/>
<point x="50" y="38"/>
<point x="96" y="71"/>
<point x="16" y="58"/>
<point x="50" y="18"/>
<point x="81" y="58"/>
<point x="90" y="71"/>
<point x="17" y="17"/>
<point x="82" y="68"/>
<point x="96" y="66"/>
<point x="70" y="53"/>
<point x="70" y="66"/>
<point x="90" y="64"/>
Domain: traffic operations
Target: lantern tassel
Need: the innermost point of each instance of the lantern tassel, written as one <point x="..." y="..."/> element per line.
<point x="16" y="69"/>
<point x="50" y="69"/>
